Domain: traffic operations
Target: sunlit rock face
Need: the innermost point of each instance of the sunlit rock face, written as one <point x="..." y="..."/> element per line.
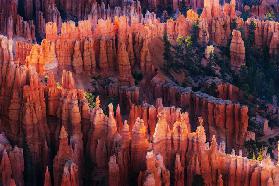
<point x="143" y="128"/>
<point x="237" y="51"/>
<point x="117" y="151"/>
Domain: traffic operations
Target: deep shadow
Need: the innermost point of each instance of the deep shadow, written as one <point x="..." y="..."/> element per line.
<point x="197" y="180"/>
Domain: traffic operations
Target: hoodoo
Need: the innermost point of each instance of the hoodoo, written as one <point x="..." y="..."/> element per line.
<point x="144" y="92"/>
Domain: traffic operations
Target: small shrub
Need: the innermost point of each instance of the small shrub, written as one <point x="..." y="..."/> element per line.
<point x="91" y="99"/>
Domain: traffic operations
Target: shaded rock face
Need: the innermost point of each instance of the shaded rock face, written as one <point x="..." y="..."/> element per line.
<point x="41" y="13"/>
<point x="23" y="50"/>
<point x="156" y="149"/>
<point x="105" y="136"/>
<point x="264" y="7"/>
<point x="222" y="118"/>
<point x="95" y="44"/>
<point x="156" y="170"/>
<point x="51" y="135"/>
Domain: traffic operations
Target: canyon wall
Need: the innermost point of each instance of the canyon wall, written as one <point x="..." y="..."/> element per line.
<point x="52" y="136"/>
<point x="157" y="149"/>
<point x="214" y="23"/>
<point x="99" y="46"/>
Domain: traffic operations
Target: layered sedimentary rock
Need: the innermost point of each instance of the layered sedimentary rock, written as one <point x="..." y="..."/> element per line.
<point x="12" y="163"/>
<point x="179" y="172"/>
<point x="51" y="30"/>
<point x="219" y="115"/>
<point x="264" y="32"/>
<point x="53" y="123"/>
<point x="45" y="12"/>
<point x="89" y="58"/>
<point x="77" y="59"/>
<point x="213" y="160"/>
<point x="139" y="144"/>
<point x="48" y="55"/>
<point x="6" y="49"/>
<point x="35" y="126"/>
<point x="154" y="167"/>
<point x="224" y="90"/>
<point x="170" y="128"/>
<point x="137" y="33"/>
<point x="23" y="50"/>
<point x="63" y="155"/>
<point x="262" y="8"/>
<point x="274" y="45"/>
<point x="211" y="9"/>
<point x="183" y="26"/>
<point x="124" y="67"/>
<point x="237" y="51"/>
<point x="13" y="24"/>
<point x="47" y="178"/>
<point x="43" y="57"/>
<point x="229" y="9"/>
<point x="174" y="4"/>
<point x="103" y="58"/>
<point x="114" y="173"/>
<point x="70" y="174"/>
<point x="220" y="30"/>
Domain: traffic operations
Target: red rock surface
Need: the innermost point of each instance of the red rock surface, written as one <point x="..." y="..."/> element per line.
<point x="219" y="115"/>
<point x="23" y="50"/>
<point x="53" y="137"/>
<point x="167" y="130"/>
<point x="237" y="51"/>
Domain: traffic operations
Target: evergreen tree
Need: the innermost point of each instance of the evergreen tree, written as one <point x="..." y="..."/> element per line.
<point x="195" y="33"/>
<point x="245" y="15"/>
<point x="199" y="11"/>
<point x="159" y="10"/>
<point x="251" y="37"/>
<point x="198" y="180"/>
<point x="187" y="55"/>
<point x="233" y="24"/>
<point x="183" y="7"/>
<point x="212" y="63"/>
<point x="168" y="59"/>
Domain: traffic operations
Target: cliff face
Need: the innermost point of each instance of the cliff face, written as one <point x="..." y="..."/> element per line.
<point x="51" y="136"/>
<point x="264" y="7"/>
<point x="68" y="106"/>
<point x="222" y="117"/>
<point x="11" y="22"/>
<point x="123" y="151"/>
<point x="38" y="13"/>
<point x="94" y="43"/>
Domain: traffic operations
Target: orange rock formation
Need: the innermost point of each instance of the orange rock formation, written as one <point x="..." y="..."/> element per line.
<point x="237" y="51"/>
<point x="52" y="136"/>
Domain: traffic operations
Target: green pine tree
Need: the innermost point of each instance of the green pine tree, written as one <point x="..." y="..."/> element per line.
<point x="195" y="33"/>
<point x="168" y="58"/>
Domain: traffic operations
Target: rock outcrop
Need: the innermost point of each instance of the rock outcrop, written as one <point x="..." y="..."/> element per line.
<point x="154" y="167"/>
<point x="124" y="66"/>
<point x="219" y="115"/>
<point x="64" y="154"/>
<point x="55" y="135"/>
<point x="77" y="59"/>
<point x="237" y="51"/>
<point x="180" y="149"/>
